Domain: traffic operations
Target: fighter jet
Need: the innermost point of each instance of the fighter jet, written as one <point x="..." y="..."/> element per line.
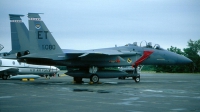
<point x="13" y="67"/>
<point x="92" y="63"/>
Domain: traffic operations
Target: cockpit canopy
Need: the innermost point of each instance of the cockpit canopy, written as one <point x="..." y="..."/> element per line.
<point x="148" y="45"/>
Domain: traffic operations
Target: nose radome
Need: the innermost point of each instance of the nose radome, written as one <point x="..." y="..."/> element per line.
<point x="55" y="68"/>
<point x="58" y="69"/>
<point x="183" y="60"/>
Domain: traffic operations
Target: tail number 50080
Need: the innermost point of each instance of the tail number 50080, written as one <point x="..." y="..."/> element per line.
<point x="48" y="47"/>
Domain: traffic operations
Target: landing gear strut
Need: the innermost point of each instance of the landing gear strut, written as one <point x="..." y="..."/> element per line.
<point x="137" y="77"/>
<point x="94" y="77"/>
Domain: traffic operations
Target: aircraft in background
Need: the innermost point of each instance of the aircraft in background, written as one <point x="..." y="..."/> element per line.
<point x="91" y="63"/>
<point x="13" y="67"/>
<point x="9" y="68"/>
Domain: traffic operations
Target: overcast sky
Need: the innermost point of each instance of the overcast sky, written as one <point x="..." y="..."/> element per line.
<point x="91" y="24"/>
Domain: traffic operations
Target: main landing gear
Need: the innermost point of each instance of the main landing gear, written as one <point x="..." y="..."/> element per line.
<point x="5" y="77"/>
<point x="94" y="78"/>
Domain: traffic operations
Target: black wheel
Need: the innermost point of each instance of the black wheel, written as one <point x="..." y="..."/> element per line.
<point x="137" y="79"/>
<point x="4" y="77"/>
<point x="94" y="78"/>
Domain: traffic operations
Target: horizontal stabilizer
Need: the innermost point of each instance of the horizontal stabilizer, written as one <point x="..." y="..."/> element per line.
<point x="15" y="16"/>
<point x="44" y="56"/>
<point x="34" y="15"/>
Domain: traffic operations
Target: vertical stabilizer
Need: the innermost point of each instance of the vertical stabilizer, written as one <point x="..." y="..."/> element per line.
<point x="41" y="40"/>
<point x="19" y="34"/>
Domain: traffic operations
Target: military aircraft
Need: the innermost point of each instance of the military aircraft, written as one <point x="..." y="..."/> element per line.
<point x="92" y="63"/>
<point x="13" y="67"/>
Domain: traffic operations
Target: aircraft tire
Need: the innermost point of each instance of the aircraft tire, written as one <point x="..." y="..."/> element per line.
<point x="4" y="77"/>
<point x="137" y="79"/>
<point x="94" y="78"/>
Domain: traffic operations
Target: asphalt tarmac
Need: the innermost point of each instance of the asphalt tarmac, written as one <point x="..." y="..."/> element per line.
<point x="154" y="93"/>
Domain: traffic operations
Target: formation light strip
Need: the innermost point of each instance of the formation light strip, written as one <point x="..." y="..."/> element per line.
<point x="17" y="21"/>
<point x="36" y="19"/>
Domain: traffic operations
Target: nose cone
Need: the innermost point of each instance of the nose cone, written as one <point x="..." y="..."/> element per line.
<point x="55" y="69"/>
<point x="183" y="60"/>
<point x="58" y="69"/>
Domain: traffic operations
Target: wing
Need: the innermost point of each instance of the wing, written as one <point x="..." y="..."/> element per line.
<point x="73" y="54"/>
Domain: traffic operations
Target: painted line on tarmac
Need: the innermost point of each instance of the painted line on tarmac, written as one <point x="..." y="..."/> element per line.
<point x="63" y="75"/>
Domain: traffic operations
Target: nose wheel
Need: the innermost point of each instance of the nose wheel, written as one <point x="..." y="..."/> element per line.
<point x="137" y="79"/>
